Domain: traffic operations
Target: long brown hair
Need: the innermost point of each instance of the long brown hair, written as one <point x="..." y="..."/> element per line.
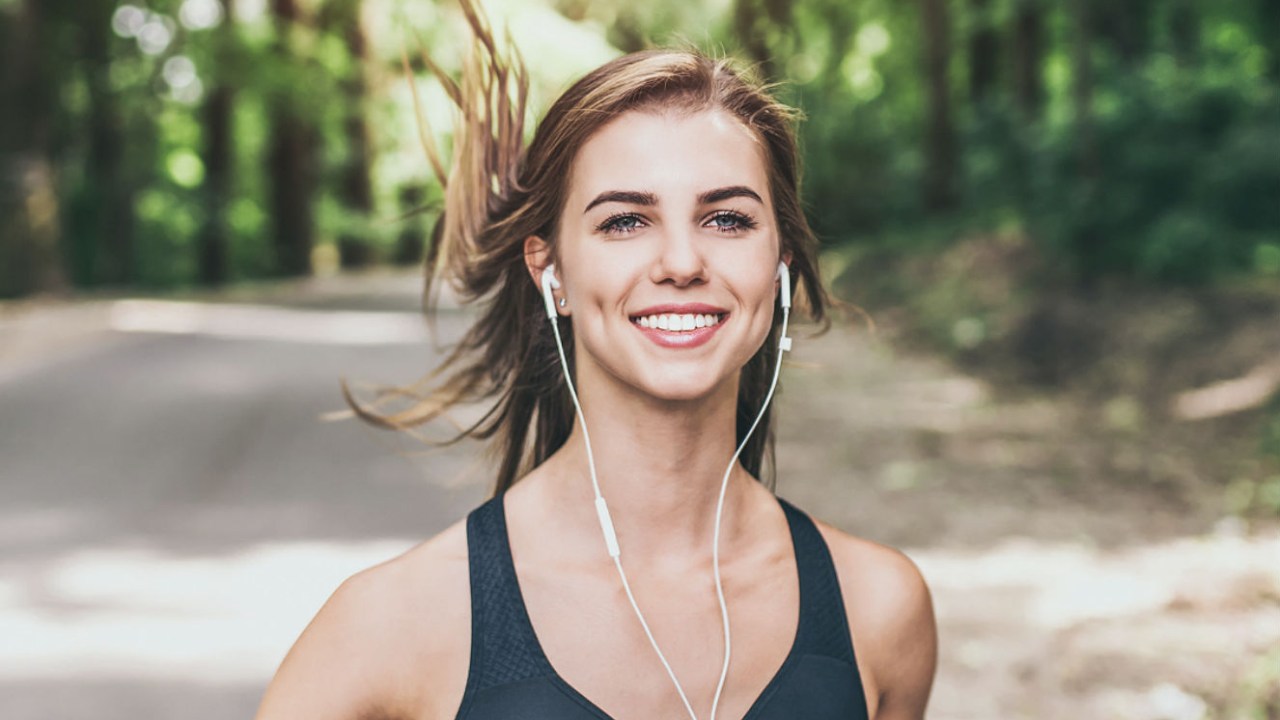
<point x="497" y="193"/>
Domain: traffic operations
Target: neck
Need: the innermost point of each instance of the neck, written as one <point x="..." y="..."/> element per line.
<point x="660" y="466"/>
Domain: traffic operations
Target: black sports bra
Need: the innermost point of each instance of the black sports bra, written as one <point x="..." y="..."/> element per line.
<point x="510" y="677"/>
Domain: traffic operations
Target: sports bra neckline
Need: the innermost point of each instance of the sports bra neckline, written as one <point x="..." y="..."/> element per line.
<point x="794" y="652"/>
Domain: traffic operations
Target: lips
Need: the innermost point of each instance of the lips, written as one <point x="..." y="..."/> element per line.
<point x="680" y="326"/>
<point x="673" y="322"/>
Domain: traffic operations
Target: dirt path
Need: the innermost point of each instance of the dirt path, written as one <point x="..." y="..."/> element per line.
<point x="1060" y="592"/>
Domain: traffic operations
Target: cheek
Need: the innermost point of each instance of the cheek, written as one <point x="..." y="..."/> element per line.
<point x="603" y="279"/>
<point x="754" y="276"/>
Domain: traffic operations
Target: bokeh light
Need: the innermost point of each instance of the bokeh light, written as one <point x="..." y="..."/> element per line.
<point x="200" y="14"/>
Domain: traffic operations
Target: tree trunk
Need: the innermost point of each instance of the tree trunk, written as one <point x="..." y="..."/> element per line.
<point x="1086" y="239"/>
<point x="290" y="167"/>
<point x="1082" y="88"/>
<point x="984" y="53"/>
<point x="748" y="28"/>
<point x="1269" y="35"/>
<point x="291" y="160"/>
<point x="29" y="232"/>
<point x="940" y="142"/>
<point x="355" y="190"/>
<point x="1185" y="31"/>
<point x="105" y="207"/>
<point x="1126" y="26"/>
<point x="219" y="154"/>
<point x="413" y="236"/>
<point x="1028" y="58"/>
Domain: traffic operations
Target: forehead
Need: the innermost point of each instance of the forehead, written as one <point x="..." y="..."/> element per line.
<point x="668" y="153"/>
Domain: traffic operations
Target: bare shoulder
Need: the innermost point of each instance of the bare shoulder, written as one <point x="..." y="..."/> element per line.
<point x="891" y="619"/>
<point x="393" y="641"/>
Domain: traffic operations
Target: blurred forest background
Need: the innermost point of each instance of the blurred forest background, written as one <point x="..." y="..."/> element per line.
<point x="171" y="142"/>
<point x="1083" y="193"/>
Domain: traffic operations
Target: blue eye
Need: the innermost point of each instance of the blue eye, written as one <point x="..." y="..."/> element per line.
<point x="728" y="221"/>
<point x="622" y="223"/>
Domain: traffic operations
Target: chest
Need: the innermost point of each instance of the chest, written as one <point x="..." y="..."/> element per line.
<point x="595" y="642"/>
<point x="552" y="641"/>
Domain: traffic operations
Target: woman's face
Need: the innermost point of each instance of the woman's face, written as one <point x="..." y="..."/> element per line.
<point x="668" y="252"/>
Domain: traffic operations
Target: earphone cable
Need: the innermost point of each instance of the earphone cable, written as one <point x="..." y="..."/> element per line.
<point x="783" y="344"/>
<point x="608" y="529"/>
<point x="607" y="523"/>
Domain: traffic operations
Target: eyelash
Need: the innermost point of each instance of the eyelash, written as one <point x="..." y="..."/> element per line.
<point x="745" y="222"/>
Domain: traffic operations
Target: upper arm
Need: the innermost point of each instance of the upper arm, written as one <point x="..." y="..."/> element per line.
<point x="336" y="667"/>
<point x="905" y="644"/>
<point x="891" y="618"/>
<point x="392" y="641"/>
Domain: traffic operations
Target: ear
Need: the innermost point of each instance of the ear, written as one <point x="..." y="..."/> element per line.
<point x="786" y="258"/>
<point x="537" y="255"/>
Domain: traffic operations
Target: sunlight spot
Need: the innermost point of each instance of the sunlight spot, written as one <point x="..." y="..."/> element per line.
<point x="179" y="71"/>
<point x="189" y="94"/>
<point x="1052" y="586"/>
<point x="200" y="14"/>
<point x="1229" y="396"/>
<point x="268" y="323"/>
<point x="968" y="332"/>
<point x="185" y="168"/>
<point x="249" y="11"/>
<point x="141" y="613"/>
<point x="128" y="20"/>
<point x="803" y="67"/>
<point x="872" y="40"/>
<point x="863" y="78"/>
<point x="155" y="36"/>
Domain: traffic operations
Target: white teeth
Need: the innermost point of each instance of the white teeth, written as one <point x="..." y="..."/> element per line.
<point x="678" y="323"/>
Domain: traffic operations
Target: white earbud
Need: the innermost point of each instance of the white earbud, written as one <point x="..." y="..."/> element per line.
<point x="549" y="283"/>
<point x="784" y="295"/>
<point x="784" y="276"/>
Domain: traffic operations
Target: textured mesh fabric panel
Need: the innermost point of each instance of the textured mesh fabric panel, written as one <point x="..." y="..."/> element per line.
<point x="504" y="648"/>
<point x="825" y="625"/>
<point x="537" y="698"/>
<point x="815" y="688"/>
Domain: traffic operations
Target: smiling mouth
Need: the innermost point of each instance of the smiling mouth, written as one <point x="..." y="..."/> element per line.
<point x="672" y="322"/>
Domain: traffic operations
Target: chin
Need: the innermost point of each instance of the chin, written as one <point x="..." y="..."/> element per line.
<point x="680" y="387"/>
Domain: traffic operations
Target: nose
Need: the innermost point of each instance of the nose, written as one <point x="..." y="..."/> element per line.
<point x="680" y="260"/>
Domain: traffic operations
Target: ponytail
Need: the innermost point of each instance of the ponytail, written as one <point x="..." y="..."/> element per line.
<point x="468" y="252"/>
<point x="487" y="144"/>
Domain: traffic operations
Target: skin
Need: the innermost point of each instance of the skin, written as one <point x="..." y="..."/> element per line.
<point x="662" y="434"/>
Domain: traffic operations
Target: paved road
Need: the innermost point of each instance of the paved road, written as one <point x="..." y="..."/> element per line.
<point x="173" y="511"/>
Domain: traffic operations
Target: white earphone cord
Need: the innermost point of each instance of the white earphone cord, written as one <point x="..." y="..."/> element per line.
<point x="606" y="522"/>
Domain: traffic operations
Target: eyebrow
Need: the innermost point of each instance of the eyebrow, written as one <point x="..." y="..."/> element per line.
<point x="636" y="197"/>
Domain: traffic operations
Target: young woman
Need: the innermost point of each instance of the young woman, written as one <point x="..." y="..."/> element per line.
<point x="631" y="564"/>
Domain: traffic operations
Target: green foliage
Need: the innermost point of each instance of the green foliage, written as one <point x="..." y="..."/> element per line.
<point x="1258" y="697"/>
<point x="1172" y="176"/>
<point x="1184" y="187"/>
<point x="1269" y="441"/>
